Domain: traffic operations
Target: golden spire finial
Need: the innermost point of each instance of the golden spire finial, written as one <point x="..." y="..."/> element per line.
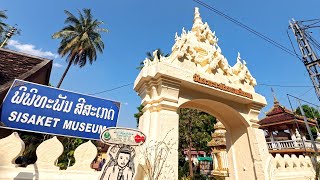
<point x="197" y="21"/>
<point x="275" y="100"/>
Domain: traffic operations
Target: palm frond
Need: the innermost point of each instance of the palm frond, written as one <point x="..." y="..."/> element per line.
<point x="149" y="56"/>
<point x="82" y="19"/>
<point x="99" y="45"/>
<point x="101" y="30"/>
<point x="3" y="26"/>
<point x="88" y="15"/>
<point x="3" y="14"/>
<point x="71" y="19"/>
<point x="66" y="32"/>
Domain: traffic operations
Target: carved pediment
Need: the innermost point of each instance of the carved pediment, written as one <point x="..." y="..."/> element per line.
<point x="198" y="51"/>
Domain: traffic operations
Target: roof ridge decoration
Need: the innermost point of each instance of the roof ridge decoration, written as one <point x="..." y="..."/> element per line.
<point x="197" y="50"/>
<point x="275" y="100"/>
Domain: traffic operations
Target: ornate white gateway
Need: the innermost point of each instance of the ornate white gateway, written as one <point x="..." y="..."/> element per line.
<point x="197" y="75"/>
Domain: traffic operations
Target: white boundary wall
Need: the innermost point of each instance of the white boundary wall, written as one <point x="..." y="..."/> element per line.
<point x="279" y="168"/>
<point x="47" y="153"/>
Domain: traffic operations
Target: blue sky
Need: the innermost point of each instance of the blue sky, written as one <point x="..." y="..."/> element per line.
<point x="140" y="26"/>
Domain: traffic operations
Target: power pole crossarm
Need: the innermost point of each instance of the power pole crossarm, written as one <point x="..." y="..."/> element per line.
<point x="309" y="57"/>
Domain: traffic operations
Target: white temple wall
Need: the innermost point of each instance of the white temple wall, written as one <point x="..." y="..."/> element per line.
<point x="291" y="167"/>
<point x="47" y="153"/>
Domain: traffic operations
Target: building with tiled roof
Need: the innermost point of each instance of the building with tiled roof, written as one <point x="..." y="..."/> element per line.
<point x="281" y="116"/>
<point x="16" y="65"/>
<point x="286" y="132"/>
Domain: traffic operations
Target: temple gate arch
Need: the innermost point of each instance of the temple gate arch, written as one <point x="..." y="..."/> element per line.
<point x="236" y="135"/>
<point x="197" y="75"/>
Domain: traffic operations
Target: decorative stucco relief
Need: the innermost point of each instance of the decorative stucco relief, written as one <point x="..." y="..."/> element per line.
<point x="198" y="51"/>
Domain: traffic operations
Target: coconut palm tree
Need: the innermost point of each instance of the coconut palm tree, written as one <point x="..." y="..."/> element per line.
<point x="80" y="39"/>
<point x="150" y="56"/>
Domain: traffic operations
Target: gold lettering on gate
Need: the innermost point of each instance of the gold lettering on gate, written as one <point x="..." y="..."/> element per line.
<point x="240" y="92"/>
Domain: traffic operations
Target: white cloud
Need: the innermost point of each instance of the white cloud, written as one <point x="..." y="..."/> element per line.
<point x="126" y="103"/>
<point x="57" y="65"/>
<point x="31" y="49"/>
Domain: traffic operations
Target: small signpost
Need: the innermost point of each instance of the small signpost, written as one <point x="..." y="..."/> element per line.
<point x="37" y="108"/>
<point x="127" y="136"/>
<point x="120" y="164"/>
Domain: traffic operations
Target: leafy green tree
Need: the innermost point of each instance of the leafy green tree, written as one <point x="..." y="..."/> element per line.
<point x="69" y="144"/>
<point x="310" y="112"/>
<point x="313" y="113"/>
<point x="138" y="114"/>
<point x="32" y="141"/>
<point x="80" y="39"/>
<point x="151" y="57"/>
<point x="195" y="128"/>
<point x="183" y="170"/>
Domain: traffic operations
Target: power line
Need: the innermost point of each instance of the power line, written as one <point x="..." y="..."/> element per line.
<point x="306" y="92"/>
<point x="303" y="100"/>
<point x="270" y="85"/>
<point x="294" y="50"/>
<point x="277" y="85"/>
<point x="310" y="20"/>
<point x="312" y="24"/>
<point x="274" y="43"/>
<point x="100" y="92"/>
<point x="293" y="53"/>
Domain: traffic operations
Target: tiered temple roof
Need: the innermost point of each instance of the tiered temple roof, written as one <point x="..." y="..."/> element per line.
<point x="280" y="115"/>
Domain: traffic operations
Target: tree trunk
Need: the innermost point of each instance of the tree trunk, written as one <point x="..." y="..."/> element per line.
<point x="64" y="74"/>
<point x="190" y="148"/>
<point x="190" y="161"/>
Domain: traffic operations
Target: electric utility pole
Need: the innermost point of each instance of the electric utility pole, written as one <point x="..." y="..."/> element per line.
<point x="8" y="36"/>
<point x="309" y="57"/>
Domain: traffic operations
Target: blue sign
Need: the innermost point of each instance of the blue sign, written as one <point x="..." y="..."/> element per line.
<point x="38" y="108"/>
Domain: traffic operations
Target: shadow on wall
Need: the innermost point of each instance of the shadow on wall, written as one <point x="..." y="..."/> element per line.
<point x="24" y="175"/>
<point x="28" y="175"/>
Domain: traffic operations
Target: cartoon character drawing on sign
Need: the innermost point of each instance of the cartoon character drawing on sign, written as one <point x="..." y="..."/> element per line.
<point x="120" y="165"/>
